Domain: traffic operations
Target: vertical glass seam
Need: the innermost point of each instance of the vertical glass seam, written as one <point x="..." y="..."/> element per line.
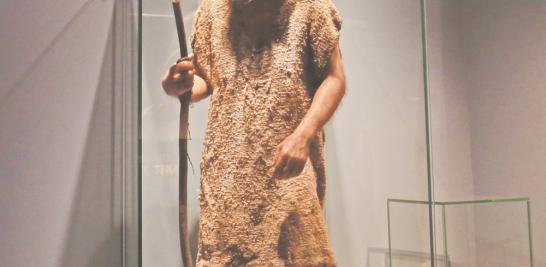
<point x="427" y="133"/>
<point x="139" y="126"/>
<point x="389" y="230"/>
<point x="444" y="225"/>
<point x="530" y="233"/>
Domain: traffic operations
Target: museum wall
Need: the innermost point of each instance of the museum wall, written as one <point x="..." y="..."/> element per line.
<point x="58" y="195"/>
<point x="507" y="88"/>
<point x="487" y="110"/>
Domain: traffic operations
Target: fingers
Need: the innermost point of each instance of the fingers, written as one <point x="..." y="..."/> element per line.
<point x="287" y="167"/>
<point x="178" y="86"/>
<point x="179" y="78"/>
<point x="280" y="164"/>
<point x="184" y="75"/>
<point x="186" y="58"/>
<point x="287" y="171"/>
<point x="181" y="70"/>
<point x="294" y="167"/>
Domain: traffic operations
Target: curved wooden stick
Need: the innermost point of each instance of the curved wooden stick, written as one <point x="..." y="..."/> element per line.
<point x="183" y="147"/>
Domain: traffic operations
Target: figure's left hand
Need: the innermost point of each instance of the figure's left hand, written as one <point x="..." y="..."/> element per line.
<point x="292" y="154"/>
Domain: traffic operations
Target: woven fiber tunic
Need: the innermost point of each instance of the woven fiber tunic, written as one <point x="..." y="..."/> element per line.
<point x="258" y="99"/>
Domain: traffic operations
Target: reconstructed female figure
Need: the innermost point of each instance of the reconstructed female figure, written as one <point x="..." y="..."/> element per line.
<point x="273" y="70"/>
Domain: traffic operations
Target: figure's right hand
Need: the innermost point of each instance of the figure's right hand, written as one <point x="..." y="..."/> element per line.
<point x="178" y="79"/>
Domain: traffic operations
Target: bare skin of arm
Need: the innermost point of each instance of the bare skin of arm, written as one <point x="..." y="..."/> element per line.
<point x="292" y="153"/>
<point x="181" y="78"/>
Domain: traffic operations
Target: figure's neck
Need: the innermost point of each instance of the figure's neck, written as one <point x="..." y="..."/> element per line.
<point x="257" y="20"/>
<point x="257" y="15"/>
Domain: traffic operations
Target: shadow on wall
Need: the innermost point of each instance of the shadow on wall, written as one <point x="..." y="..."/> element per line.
<point x="94" y="235"/>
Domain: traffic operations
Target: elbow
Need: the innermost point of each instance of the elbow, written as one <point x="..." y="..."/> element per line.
<point x="335" y="84"/>
<point x="341" y="84"/>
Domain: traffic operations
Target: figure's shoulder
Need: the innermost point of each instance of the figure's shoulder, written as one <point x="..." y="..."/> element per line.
<point x="320" y="10"/>
<point x="207" y="10"/>
<point x="203" y="7"/>
<point x="318" y="5"/>
<point x="209" y="6"/>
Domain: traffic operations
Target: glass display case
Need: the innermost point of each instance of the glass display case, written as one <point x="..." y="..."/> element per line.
<point x="501" y="225"/>
<point x="443" y="110"/>
<point x="375" y="144"/>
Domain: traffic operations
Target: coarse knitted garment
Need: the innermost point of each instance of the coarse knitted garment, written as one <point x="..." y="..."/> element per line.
<point x="258" y="98"/>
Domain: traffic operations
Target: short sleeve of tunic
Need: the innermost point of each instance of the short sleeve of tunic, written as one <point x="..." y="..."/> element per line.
<point x="200" y="41"/>
<point x="324" y="32"/>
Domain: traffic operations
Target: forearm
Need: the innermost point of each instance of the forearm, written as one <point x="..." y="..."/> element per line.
<point x="325" y="102"/>
<point x="294" y="149"/>
<point x="199" y="90"/>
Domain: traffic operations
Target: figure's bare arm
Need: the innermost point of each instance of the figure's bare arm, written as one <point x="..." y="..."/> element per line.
<point x="181" y="78"/>
<point x="326" y="99"/>
<point x="292" y="153"/>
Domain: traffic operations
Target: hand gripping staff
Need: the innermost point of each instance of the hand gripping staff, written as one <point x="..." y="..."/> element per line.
<point x="183" y="147"/>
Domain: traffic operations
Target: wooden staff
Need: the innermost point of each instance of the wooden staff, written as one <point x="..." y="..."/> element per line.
<point x="183" y="147"/>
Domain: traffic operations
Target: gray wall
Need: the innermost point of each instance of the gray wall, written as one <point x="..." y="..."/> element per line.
<point x="507" y="96"/>
<point x="60" y="192"/>
<point x="488" y="92"/>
